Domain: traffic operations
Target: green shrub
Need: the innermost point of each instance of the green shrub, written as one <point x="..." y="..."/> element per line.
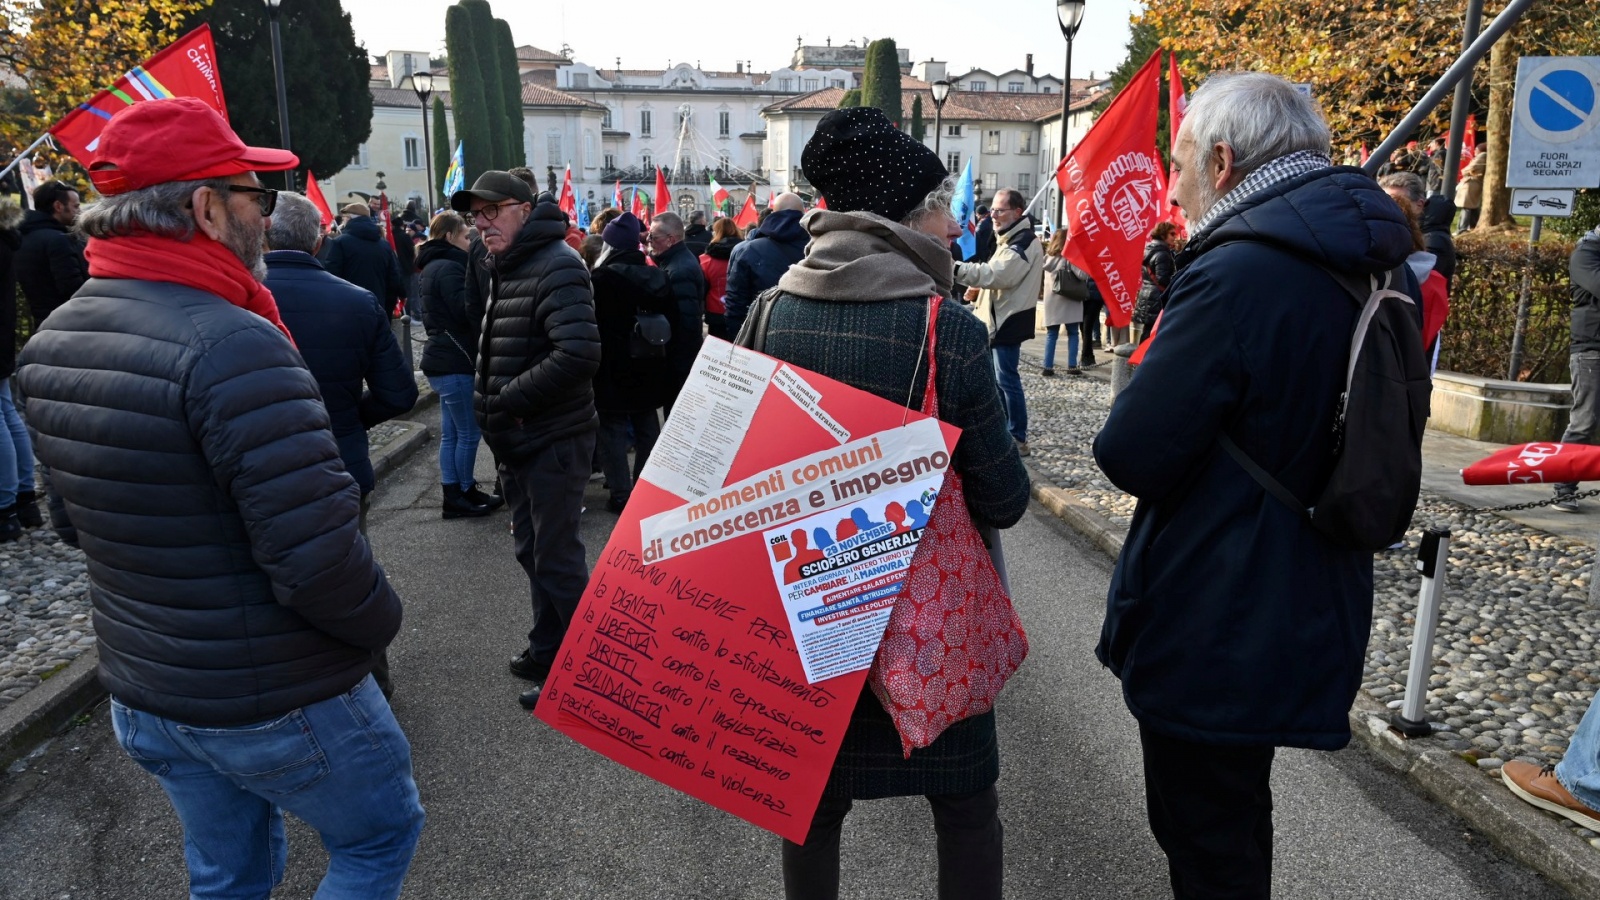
<point x="1483" y="307"/>
<point x="1585" y="215"/>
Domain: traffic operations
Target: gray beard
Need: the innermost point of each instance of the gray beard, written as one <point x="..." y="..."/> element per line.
<point x="245" y="242"/>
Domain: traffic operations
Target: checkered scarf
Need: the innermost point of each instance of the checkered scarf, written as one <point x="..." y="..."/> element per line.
<point x="1281" y="169"/>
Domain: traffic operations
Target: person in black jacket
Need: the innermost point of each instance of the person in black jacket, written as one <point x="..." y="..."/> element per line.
<point x="1584" y="425"/>
<point x="665" y="240"/>
<point x="17" y="505"/>
<point x="1234" y="626"/>
<point x="757" y="262"/>
<point x="1156" y="270"/>
<point x="534" y="393"/>
<point x="449" y="359"/>
<point x="362" y="256"/>
<point x="237" y="606"/>
<point x="697" y="236"/>
<point x="50" y="263"/>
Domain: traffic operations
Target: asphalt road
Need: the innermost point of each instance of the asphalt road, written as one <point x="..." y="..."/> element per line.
<point x="517" y="810"/>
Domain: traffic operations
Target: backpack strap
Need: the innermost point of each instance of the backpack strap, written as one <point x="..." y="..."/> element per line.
<point x="1264" y="478"/>
<point x="753" y="336"/>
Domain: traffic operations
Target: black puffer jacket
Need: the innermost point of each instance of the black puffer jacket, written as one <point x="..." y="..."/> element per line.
<point x="229" y="578"/>
<point x="540" y="347"/>
<point x="452" y="347"/>
<point x="1437" y="214"/>
<point x="623" y="286"/>
<point x="689" y="294"/>
<point x="362" y="256"/>
<point x="50" y="264"/>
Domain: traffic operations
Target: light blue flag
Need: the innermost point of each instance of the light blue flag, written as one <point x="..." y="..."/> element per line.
<point x="455" y="176"/>
<point x="962" y="208"/>
<point x="583" y="213"/>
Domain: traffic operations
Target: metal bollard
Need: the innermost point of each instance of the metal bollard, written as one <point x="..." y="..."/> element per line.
<point x="1121" y="372"/>
<point x="402" y="330"/>
<point x="1411" y="720"/>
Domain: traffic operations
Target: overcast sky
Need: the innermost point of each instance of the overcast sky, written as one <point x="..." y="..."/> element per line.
<point x="989" y="34"/>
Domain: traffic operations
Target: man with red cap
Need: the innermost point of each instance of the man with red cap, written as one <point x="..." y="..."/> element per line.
<point x="237" y="606"/>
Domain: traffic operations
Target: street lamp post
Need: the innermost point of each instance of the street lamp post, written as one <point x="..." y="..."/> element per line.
<point x="1070" y="14"/>
<point x="941" y="92"/>
<point x="422" y="83"/>
<point x="283" y="95"/>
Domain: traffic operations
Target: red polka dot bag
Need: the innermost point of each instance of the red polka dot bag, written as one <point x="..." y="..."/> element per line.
<point x="953" y="637"/>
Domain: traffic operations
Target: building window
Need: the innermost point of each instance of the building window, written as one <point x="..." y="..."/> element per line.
<point x="605" y="118"/>
<point x="684" y="162"/>
<point x="991" y="142"/>
<point x="952" y="131"/>
<point x="785" y="84"/>
<point x="647" y="162"/>
<point x="724" y="163"/>
<point x="977" y="86"/>
<point x="580" y="80"/>
<point x="724" y="123"/>
<point x="644" y="123"/>
<point x="552" y="143"/>
<point x="359" y="161"/>
<point x="1048" y="89"/>
<point x="588" y="148"/>
<point x="836" y="82"/>
<point x="952" y="162"/>
<point x="1025" y="183"/>
<point x="411" y="149"/>
<point x="611" y="160"/>
<point x="991" y="182"/>
<point x="1025" y="142"/>
<point x="1014" y="87"/>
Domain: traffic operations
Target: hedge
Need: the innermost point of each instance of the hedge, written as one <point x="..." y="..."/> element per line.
<point x="1483" y="307"/>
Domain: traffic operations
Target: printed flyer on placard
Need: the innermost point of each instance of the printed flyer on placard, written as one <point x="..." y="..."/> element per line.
<point x="725" y="634"/>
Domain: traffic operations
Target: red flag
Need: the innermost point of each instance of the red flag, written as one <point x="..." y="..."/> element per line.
<point x="568" y="202"/>
<point x="1177" y="106"/>
<point x="639" y="211"/>
<point x="1469" y="143"/>
<point x="822" y="202"/>
<point x="1536" y="464"/>
<point x="1113" y="186"/>
<point x="616" y="197"/>
<point x="1366" y="153"/>
<point x="314" y="194"/>
<point x="186" y="68"/>
<point x="663" y="196"/>
<point x="747" y="214"/>
<point x="772" y="197"/>
<point x="383" y="220"/>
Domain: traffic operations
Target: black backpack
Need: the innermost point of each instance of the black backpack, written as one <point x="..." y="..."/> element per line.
<point x="1377" y="434"/>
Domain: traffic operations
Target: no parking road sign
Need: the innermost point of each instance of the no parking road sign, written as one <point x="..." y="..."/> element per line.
<point x="1555" y="129"/>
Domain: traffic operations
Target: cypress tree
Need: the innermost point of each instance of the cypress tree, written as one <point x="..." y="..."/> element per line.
<point x="851" y="98"/>
<point x="441" y="149"/>
<point x="880" y="82"/>
<point x="919" y="129"/>
<point x="486" y="56"/>
<point x="466" y="95"/>
<point x="511" y="88"/>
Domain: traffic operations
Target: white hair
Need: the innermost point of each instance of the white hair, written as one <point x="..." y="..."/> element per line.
<point x="1261" y="116"/>
<point x="296" y="224"/>
<point x="939" y="200"/>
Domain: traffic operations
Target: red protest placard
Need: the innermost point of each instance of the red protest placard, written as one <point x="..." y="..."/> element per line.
<point x="684" y="662"/>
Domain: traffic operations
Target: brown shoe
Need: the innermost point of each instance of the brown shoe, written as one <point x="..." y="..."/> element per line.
<point x="1540" y="787"/>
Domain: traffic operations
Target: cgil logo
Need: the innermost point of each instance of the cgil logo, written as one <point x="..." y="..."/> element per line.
<point x="1125" y="195"/>
<point x="1525" y="468"/>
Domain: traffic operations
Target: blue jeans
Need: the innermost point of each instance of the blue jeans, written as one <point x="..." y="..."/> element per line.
<point x="458" y="433"/>
<point x="1579" y="769"/>
<point x="1052" y="333"/>
<point x="341" y="766"/>
<point x="16" y="451"/>
<point x="1005" y="371"/>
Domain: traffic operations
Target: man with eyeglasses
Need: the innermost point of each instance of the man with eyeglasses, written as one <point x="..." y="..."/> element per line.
<point x="537" y="356"/>
<point x="237" y="606"/>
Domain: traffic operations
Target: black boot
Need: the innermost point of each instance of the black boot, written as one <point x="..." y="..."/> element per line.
<point x="458" y="506"/>
<point x="28" y="510"/>
<point x="493" y="501"/>
<point x="10" y="528"/>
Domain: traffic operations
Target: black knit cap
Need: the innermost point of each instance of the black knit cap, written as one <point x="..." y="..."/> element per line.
<point x="861" y="162"/>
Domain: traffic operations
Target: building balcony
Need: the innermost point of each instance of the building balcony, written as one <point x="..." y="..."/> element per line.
<point x="684" y="175"/>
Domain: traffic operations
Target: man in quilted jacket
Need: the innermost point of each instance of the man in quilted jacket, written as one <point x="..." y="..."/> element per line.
<point x="237" y="605"/>
<point x="534" y="395"/>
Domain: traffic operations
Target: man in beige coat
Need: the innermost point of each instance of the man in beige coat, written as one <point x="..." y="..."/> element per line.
<point x="1006" y="288"/>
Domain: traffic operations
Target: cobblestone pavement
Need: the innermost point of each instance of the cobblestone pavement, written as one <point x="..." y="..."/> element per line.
<point x="1515" y="663"/>
<point x="44" y="602"/>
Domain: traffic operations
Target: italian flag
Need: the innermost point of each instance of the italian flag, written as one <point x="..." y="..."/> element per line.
<point x="719" y="194"/>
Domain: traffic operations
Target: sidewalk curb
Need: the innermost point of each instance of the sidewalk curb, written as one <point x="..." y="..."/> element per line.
<point x="1534" y="838"/>
<point x="48" y="708"/>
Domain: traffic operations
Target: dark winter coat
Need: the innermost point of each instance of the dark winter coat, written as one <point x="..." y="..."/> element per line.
<point x="452" y="347"/>
<point x="362" y="256"/>
<point x="689" y="300"/>
<point x="758" y="263"/>
<point x="229" y="579"/>
<point x="1437" y="215"/>
<point x="1585" y="271"/>
<point x="346" y="341"/>
<point x="698" y="237"/>
<point x="1230" y="619"/>
<point x="1156" y="270"/>
<point x="50" y="264"/>
<point x="10" y="240"/>
<point x="624" y="286"/>
<point x="478" y="277"/>
<point x="540" y="348"/>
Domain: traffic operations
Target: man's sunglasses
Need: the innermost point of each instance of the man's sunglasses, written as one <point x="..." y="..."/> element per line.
<point x="266" y="198"/>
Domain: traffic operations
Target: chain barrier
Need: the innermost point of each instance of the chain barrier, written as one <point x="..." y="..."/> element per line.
<point x="1533" y="504"/>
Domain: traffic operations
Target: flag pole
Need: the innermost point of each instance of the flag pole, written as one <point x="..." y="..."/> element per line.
<point x="24" y="154"/>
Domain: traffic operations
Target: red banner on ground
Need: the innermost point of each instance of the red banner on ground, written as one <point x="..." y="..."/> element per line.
<point x="1536" y="464"/>
<point x="762" y="542"/>
<point x="1114" y="187"/>
<point x="186" y="68"/>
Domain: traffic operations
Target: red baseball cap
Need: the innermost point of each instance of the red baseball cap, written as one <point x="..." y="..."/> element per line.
<point x="178" y="139"/>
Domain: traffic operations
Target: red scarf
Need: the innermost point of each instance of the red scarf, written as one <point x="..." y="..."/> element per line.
<point x="200" y="263"/>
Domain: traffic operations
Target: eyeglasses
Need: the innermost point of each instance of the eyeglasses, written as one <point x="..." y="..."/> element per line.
<point x="266" y="198"/>
<point x="490" y="213"/>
